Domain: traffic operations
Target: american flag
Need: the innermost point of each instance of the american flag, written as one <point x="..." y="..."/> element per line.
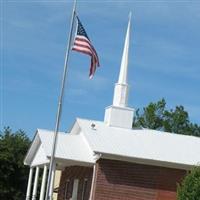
<point x="83" y="44"/>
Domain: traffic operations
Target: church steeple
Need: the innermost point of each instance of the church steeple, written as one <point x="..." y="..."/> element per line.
<point x="119" y="114"/>
<point x="124" y="63"/>
<point x="121" y="88"/>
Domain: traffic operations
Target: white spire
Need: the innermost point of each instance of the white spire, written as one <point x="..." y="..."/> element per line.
<point x="124" y="62"/>
<point x="119" y="114"/>
<point x="121" y="88"/>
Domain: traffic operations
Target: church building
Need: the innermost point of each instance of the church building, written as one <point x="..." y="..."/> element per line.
<point x="110" y="160"/>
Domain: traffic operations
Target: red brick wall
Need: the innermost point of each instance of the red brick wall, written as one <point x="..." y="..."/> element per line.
<point x="71" y="173"/>
<point x="117" y="180"/>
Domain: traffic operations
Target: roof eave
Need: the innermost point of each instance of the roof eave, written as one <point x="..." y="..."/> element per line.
<point x="146" y="161"/>
<point x="71" y="162"/>
<point x="31" y="148"/>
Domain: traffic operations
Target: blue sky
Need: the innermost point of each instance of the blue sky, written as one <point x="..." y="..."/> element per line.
<point x="164" y="59"/>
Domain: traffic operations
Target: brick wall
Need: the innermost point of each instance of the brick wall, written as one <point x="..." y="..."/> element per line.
<point x="71" y="173"/>
<point x="117" y="180"/>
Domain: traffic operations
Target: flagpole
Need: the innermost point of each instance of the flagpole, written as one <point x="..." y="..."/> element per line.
<point x="59" y="111"/>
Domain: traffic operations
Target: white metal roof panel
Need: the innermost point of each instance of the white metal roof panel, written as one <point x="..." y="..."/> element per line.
<point x="69" y="147"/>
<point x="39" y="157"/>
<point x="142" y="144"/>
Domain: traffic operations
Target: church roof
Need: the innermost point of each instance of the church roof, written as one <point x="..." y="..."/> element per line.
<point x="70" y="149"/>
<point x="144" y="145"/>
<point x="89" y="137"/>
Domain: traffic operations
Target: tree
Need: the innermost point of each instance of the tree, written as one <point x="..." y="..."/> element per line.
<point x="13" y="173"/>
<point x="156" y="116"/>
<point x="189" y="189"/>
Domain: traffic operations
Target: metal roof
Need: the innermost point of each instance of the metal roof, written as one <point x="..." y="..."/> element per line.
<point x="89" y="137"/>
<point x="145" y="144"/>
<point x="69" y="147"/>
<point x="40" y="157"/>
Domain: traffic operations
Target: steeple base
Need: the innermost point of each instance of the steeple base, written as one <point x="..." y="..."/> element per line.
<point x="121" y="117"/>
<point x="120" y="95"/>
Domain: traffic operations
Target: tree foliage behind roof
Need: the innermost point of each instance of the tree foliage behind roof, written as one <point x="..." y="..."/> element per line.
<point x="189" y="189"/>
<point x="157" y="116"/>
<point x="13" y="173"/>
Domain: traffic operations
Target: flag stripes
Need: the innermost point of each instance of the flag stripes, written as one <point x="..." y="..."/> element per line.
<point x="83" y="45"/>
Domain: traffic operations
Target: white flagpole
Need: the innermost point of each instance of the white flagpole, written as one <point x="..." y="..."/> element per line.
<point x="50" y="178"/>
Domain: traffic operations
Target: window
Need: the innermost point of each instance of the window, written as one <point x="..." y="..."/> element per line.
<point x="66" y="189"/>
<point x="75" y="189"/>
<point x="85" y="182"/>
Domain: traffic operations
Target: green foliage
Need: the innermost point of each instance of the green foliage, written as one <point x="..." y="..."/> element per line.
<point x="13" y="173"/>
<point x="156" y="116"/>
<point x="189" y="189"/>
